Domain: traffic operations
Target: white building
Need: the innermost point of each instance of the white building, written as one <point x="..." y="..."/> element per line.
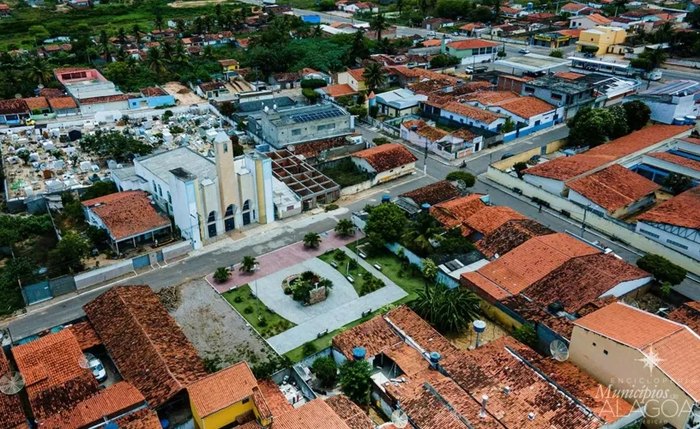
<point x="399" y="102"/>
<point x="385" y="162"/>
<point x="473" y="116"/>
<point x="675" y="223"/>
<point x="206" y="197"/>
<point x="676" y="100"/>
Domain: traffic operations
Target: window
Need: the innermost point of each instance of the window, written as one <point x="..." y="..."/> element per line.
<point x="537" y="122"/>
<point x="677" y="244"/>
<point x="170" y="198"/>
<point x="296" y="132"/>
<point x="556" y="96"/>
<point x="649" y="233"/>
<point x="605" y="352"/>
<point x="325" y="127"/>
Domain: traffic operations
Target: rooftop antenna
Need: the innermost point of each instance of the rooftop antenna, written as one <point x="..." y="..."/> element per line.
<point x="399" y="419"/>
<point x="11" y="383"/>
<point x="559" y="350"/>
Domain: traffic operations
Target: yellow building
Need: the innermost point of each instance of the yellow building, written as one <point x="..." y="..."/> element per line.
<point x="600" y="38"/>
<point x="650" y="361"/>
<point x="226" y="397"/>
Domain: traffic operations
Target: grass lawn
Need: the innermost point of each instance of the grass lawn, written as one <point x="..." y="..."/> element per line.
<point x="345" y="173"/>
<point x="406" y="278"/>
<point x="265" y="321"/>
<point x="358" y="273"/>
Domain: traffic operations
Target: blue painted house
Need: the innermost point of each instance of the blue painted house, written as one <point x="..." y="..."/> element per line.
<point x="152" y="97"/>
<point x="13" y="111"/>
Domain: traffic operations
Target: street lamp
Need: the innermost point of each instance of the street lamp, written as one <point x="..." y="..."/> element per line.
<point x="583" y="222"/>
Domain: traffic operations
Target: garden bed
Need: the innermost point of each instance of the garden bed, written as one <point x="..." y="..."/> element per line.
<point x="265" y="321"/>
<point x="362" y="280"/>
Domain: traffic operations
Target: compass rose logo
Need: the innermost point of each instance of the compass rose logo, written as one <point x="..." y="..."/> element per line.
<point x="650" y="360"/>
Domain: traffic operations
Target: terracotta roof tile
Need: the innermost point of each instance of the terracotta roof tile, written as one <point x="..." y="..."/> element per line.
<point x="104" y="99"/>
<point x="54" y="380"/>
<point x="434" y="193"/>
<point x="386" y="157"/>
<point x="62" y="103"/>
<point x="314" y="414"/>
<point x="526" y="107"/>
<point x="113" y="401"/>
<point x="36" y="103"/>
<point x="681" y="210"/>
<point x="455" y="212"/>
<point x="677" y="159"/>
<point x="472" y="44"/>
<point x="127" y="214"/>
<point x="357" y="74"/>
<point x="339" y="90"/>
<point x="85" y="334"/>
<point x="570" y="167"/>
<point x="472" y="112"/>
<point x="489" y="218"/>
<point x="509" y="236"/>
<point x="421" y="128"/>
<point x="599" y="19"/>
<point x="374" y="335"/>
<point x="314" y="148"/>
<point x="11" y="414"/>
<point x="274" y="397"/>
<point x="145" y="342"/>
<point x="13" y="106"/>
<point x="222" y="389"/>
<point x="153" y="91"/>
<point x="488" y="98"/>
<point x="407" y="358"/>
<point x="353" y="415"/>
<point x="688" y="314"/>
<point x="614" y="187"/>
<point x="419" y="330"/>
<point x="211" y="86"/>
<point x="142" y="419"/>
<point x="526" y="264"/>
<point x="230" y="62"/>
<point x="51" y="92"/>
<point x="573" y="7"/>
<point x="582" y="280"/>
<point x="621" y="323"/>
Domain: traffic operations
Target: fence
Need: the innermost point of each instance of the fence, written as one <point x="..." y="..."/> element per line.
<point x="47" y="289"/>
<point x="416" y="260"/>
<point x="593" y="220"/>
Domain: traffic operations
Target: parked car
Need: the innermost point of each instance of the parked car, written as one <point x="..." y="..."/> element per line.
<point x="523" y="51"/>
<point x="95" y="365"/>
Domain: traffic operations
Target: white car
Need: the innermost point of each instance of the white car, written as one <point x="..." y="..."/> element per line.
<point x="524" y="51"/>
<point x="95" y="365"/>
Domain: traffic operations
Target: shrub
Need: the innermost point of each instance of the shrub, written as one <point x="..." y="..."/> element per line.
<point x="309" y="348"/>
<point x="248" y="310"/>
<point x="339" y="255"/>
<point x="238" y="299"/>
<point x="662" y="269"/>
<point x="468" y="178"/>
<point x="326" y="371"/>
<point x="331" y="207"/>
<point x="287" y="290"/>
<point x="526" y="334"/>
<point x="519" y="167"/>
<point x="262" y="322"/>
<point x="222" y="274"/>
<point x="353" y="264"/>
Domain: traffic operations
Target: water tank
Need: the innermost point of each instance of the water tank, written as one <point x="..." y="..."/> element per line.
<point x="479" y="326"/>
<point x="359" y="353"/>
<point x="425" y="206"/>
<point x="435" y="358"/>
<point x="678" y="121"/>
<point x="690" y="119"/>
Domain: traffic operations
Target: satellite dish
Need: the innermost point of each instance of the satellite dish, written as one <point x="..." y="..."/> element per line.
<point x="559" y="350"/>
<point x="399" y="419"/>
<point x="84" y="360"/>
<point x="11" y="383"/>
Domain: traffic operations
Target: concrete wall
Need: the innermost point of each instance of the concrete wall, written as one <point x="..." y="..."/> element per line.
<point x="100" y="275"/>
<point x="667" y="239"/>
<point x="178" y="249"/>
<point x="354" y="189"/>
<point x="576" y="212"/>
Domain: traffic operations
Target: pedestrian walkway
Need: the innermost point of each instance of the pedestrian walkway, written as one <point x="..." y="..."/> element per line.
<point x="338" y="317"/>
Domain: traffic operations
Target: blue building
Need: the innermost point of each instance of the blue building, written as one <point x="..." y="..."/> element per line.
<point x="152" y="97"/>
<point x="13" y="111"/>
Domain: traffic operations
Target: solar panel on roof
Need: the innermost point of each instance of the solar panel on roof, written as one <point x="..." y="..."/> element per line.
<point x="325" y="114"/>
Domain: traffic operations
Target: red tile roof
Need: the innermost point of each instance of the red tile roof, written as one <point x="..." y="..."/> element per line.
<point x="434" y="193"/>
<point x="525" y="265"/>
<point x="142" y="419"/>
<point x="54" y="380"/>
<point x="570" y="167"/>
<point x="127" y="214"/>
<point x="582" y="280"/>
<point x="569" y="75"/>
<point x="222" y="389"/>
<point x="62" y="103"/>
<point x="489" y="218"/>
<point x="621" y="323"/>
<point x="153" y="91"/>
<point x="573" y="7"/>
<point x="526" y="107"/>
<point x="353" y="415"/>
<point x="472" y="112"/>
<point x="682" y="210"/>
<point x="374" y="335"/>
<point x="104" y="99"/>
<point x="489" y="98"/>
<point x="688" y="314"/>
<point x="339" y="90"/>
<point x="210" y="86"/>
<point x="386" y="157"/>
<point x="455" y="212"/>
<point x="509" y="236"/>
<point x="11" y="414"/>
<point x="85" y="334"/>
<point x="314" y="414"/>
<point x="613" y="188"/>
<point x="13" y="106"/>
<point x="145" y="342"/>
<point x="36" y="103"/>
<point x="357" y="74"/>
<point x="422" y="128"/>
<point x="599" y="19"/>
<point x="113" y="401"/>
<point x="274" y="397"/>
<point x="472" y="44"/>
<point x="676" y="159"/>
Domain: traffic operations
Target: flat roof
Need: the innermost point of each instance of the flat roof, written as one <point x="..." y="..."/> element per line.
<point x="161" y="164"/>
<point x="533" y="62"/>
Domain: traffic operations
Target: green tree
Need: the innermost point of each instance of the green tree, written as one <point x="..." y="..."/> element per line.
<point x="449" y="310"/>
<point x="385" y="224"/>
<point x="662" y="269"/>
<point x="590" y="127"/>
<point x="221" y="275"/>
<point x="312" y="240"/>
<point x="430" y="270"/>
<point x="468" y="178"/>
<point x="374" y="76"/>
<point x="98" y="189"/>
<point x="556" y="53"/>
<point x="508" y="125"/>
<point x="677" y="183"/>
<point x="526" y="334"/>
<point x="326" y="371"/>
<point x="136" y="31"/>
<point x="105" y="45"/>
<point x="421" y="233"/>
<point x="443" y="60"/>
<point x="114" y="145"/>
<point x="618" y="124"/>
<point x="248" y="264"/>
<point x="378" y="23"/>
<point x="39" y="32"/>
<point x="15" y="272"/>
<point x="358" y="50"/>
<point x="355" y="381"/>
<point x="155" y="61"/>
<point x="345" y="228"/>
<point x="39" y="71"/>
<point x="649" y="60"/>
<point x="158" y="20"/>
<point x="311" y="95"/>
<point x="638" y="114"/>
<point x="68" y="255"/>
<point x="519" y="167"/>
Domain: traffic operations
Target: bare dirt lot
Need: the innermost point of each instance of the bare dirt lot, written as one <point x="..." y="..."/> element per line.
<point x="194" y="3"/>
<point x="221" y="336"/>
<point x="182" y="94"/>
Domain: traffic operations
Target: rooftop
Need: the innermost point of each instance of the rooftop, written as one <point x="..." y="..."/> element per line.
<point x="423" y="129"/>
<point x="570" y="167"/>
<point x="675" y="87"/>
<point x="314" y="414"/>
<point x="434" y="193"/>
<point x="353" y="415"/>
<point x="509" y="236"/>
<point x="472" y="44"/>
<point x="62" y="103"/>
<point x="620" y="322"/>
<point x="161" y="163"/>
<point x="13" y="106"/>
<point x="490" y="218"/>
<point x="85" y="334"/>
<point x="677" y="159"/>
<point x="386" y="157"/>
<point x="401" y="98"/>
<point x="11" y="414"/>
<point x="145" y="342"/>
<point x="688" y="314"/>
<point x="339" y="90"/>
<point x="472" y="112"/>
<point x="36" y="103"/>
<point x="526" y="107"/>
<point x="455" y="212"/>
<point x="221" y="389"/>
<point x="54" y="380"/>
<point x="488" y="98"/>
<point x="304" y="180"/>
<point x="303" y="114"/>
<point x="614" y="187"/>
<point x="534" y="63"/>
<point x="127" y="214"/>
<point x="682" y="210"/>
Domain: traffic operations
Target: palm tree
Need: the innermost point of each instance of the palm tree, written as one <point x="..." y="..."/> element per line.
<point x="312" y="240"/>
<point x="345" y="228"/>
<point x="221" y="275"/>
<point x="155" y="61"/>
<point x="378" y="24"/>
<point x="180" y="53"/>
<point x="105" y="46"/>
<point x="180" y="26"/>
<point x="121" y="36"/>
<point x="374" y="76"/>
<point x="158" y="21"/>
<point x="421" y="232"/>
<point x="248" y="264"/>
<point x="449" y="310"/>
<point x="168" y="50"/>
<point x="136" y="30"/>
<point x="39" y="71"/>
